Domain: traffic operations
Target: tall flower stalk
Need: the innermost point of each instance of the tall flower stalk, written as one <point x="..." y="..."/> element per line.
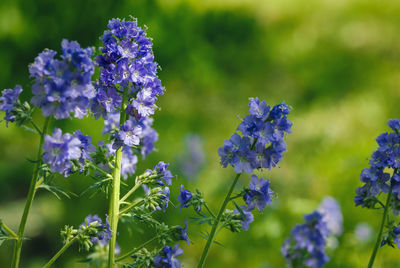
<point x="379" y="238"/>
<point x="382" y="177"/>
<point x="126" y="93"/>
<point x="261" y="146"/>
<point x="115" y="194"/>
<point x="61" y="87"/>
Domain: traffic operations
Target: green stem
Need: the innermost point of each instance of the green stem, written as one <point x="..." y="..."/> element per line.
<point x="61" y="251"/>
<point x="99" y="169"/>
<point x="8" y="230"/>
<point x="36" y="128"/>
<point x="114" y="200"/>
<point x="29" y="199"/>
<point x="131" y="191"/>
<point x="127" y="208"/>
<point x="378" y="241"/>
<point x="129" y="253"/>
<point x="209" y="210"/>
<point x="216" y="222"/>
<point x="134" y="250"/>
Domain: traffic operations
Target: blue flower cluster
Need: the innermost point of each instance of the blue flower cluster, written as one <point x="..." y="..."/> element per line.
<point x="259" y="194"/>
<point x="262" y="144"/>
<point x="86" y="146"/>
<point x="102" y="237"/>
<point x="184" y="197"/>
<point x="168" y="257"/>
<point x="63" y="86"/>
<point x="9" y="102"/>
<point x="164" y="175"/>
<point x="246" y="217"/>
<point x="396" y="240"/>
<point x="332" y="215"/>
<point x="127" y="60"/>
<point x="127" y="64"/>
<point x="60" y="150"/>
<point x="141" y="130"/>
<point x="306" y="245"/>
<point x="182" y="233"/>
<point x="377" y="178"/>
<point x="160" y="193"/>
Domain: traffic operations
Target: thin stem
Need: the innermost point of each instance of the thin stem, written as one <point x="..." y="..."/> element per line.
<point x="134" y="250"/>
<point x="209" y="210"/>
<point x="131" y="191"/>
<point x="29" y="199"/>
<point x="114" y="200"/>
<point x="8" y="230"/>
<point x="39" y="182"/>
<point x="234" y="197"/>
<point x="36" y="128"/>
<point x="378" y="240"/>
<point x="127" y="208"/>
<point x="99" y="169"/>
<point x="61" y="251"/>
<point x="216" y="222"/>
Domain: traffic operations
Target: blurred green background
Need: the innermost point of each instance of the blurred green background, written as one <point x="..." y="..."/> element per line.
<point x="336" y="62"/>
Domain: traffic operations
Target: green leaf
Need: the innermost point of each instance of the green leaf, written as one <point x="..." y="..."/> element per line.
<point x="4" y="236"/>
<point x="101" y="185"/>
<point x="29" y="129"/>
<point x="57" y="191"/>
<point x="32" y="161"/>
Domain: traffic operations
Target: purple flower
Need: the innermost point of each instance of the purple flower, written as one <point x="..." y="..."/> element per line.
<point x="257" y="109"/>
<point x="128" y="162"/>
<point x="148" y="137"/>
<point x="396" y="240"/>
<point x="104" y="235"/>
<point x="167" y="257"/>
<point x="9" y="101"/>
<point x="164" y="174"/>
<point x="86" y="146"/>
<point x="376" y="178"/>
<point x="394" y="124"/>
<point x="59" y="150"/>
<point x="63" y="86"/>
<point x="332" y="215"/>
<point x="144" y="103"/>
<point x="259" y="194"/>
<point x="262" y="144"/>
<point x="251" y="125"/>
<point x="246" y="218"/>
<point x="182" y="233"/>
<point x="127" y="60"/>
<point x="228" y="153"/>
<point x="128" y="135"/>
<point x="306" y="245"/>
<point x="105" y="102"/>
<point x="278" y="111"/>
<point x="184" y="197"/>
<point x="111" y="122"/>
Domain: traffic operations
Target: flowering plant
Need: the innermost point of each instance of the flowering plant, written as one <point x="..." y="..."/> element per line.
<point x="118" y="83"/>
